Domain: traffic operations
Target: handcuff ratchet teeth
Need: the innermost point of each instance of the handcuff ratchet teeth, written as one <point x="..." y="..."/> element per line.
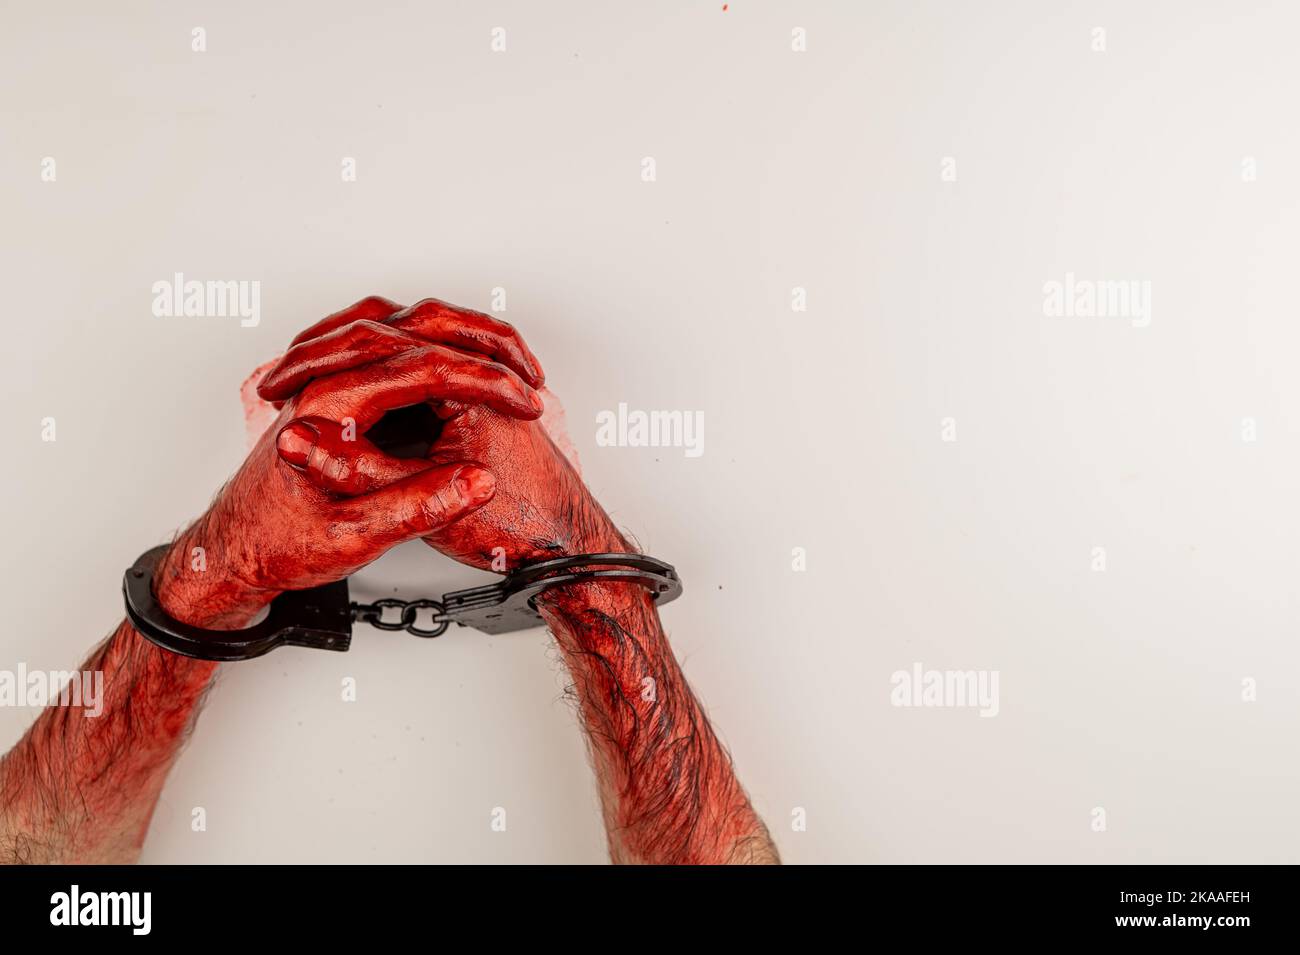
<point x="322" y="617"/>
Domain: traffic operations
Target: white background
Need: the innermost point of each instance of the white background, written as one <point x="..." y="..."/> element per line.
<point x="776" y="169"/>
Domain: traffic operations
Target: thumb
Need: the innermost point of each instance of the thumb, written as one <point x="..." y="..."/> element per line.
<point x="317" y="448"/>
<point x="415" y="506"/>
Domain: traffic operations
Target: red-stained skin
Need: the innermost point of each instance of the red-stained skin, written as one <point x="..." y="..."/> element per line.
<point x="78" y="789"/>
<point x="316" y="501"/>
<point x="541" y="508"/>
<point x="668" y="790"/>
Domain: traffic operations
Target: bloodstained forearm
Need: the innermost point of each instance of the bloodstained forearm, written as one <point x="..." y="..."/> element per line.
<point x="667" y="787"/>
<point x="82" y="788"/>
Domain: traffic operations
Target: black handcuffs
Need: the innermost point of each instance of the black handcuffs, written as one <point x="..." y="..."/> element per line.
<point x="322" y="617"/>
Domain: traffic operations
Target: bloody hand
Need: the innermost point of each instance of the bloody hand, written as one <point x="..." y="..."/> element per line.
<point x="541" y="508"/>
<point x="272" y="529"/>
<point x="667" y="787"/>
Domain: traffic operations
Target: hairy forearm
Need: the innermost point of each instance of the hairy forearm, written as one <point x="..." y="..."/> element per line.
<point x="668" y="791"/>
<point x="81" y="788"/>
<point x="81" y="785"/>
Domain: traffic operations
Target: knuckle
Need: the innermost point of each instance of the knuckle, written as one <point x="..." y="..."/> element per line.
<point x="369" y="328"/>
<point x="435" y="508"/>
<point x="431" y="355"/>
<point x="337" y="469"/>
<point x="429" y="307"/>
<point x="375" y="303"/>
<point x="430" y="511"/>
<point x="422" y="515"/>
<point x="500" y="370"/>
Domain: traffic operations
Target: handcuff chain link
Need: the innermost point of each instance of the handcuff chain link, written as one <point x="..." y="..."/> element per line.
<point x="373" y="614"/>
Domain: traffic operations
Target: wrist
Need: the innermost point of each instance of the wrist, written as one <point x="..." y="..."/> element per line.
<point x="624" y="602"/>
<point x="196" y="583"/>
<point x="592" y="531"/>
<point x="619" y="600"/>
<point x="627" y="604"/>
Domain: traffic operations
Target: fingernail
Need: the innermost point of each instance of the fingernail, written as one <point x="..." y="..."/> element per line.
<point x="474" y="485"/>
<point x="265" y="384"/>
<point x="296" y="441"/>
<point x="535" y="400"/>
